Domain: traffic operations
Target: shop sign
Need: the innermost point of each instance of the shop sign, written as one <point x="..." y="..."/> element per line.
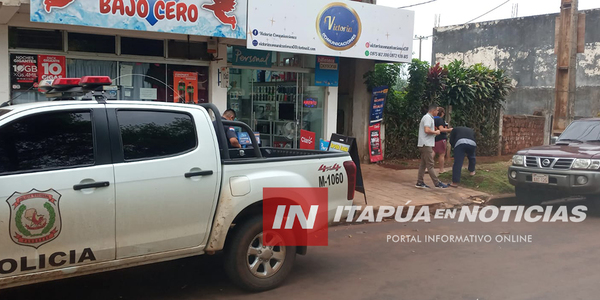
<point x="186" y="84"/>
<point x="327" y="71"/>
<point x="335" y="28"/>
<point x="375" y="143"/>
<point x="307" y="139"/>
<point x="220" y="18"/>
<point x="377" y="103"/>
<point x="28" y="70"/>
<point x="253" y="58"/>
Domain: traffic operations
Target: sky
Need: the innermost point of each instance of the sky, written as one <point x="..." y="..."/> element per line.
<point x="455" y="12"/>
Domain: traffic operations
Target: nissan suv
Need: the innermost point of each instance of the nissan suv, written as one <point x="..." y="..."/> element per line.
<point x="569" y="167"/>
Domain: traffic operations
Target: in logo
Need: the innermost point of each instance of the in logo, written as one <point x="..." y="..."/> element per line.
<point x="339" y="26"/>
<point x="34" y="217"/>
<point x="297" y="215"/>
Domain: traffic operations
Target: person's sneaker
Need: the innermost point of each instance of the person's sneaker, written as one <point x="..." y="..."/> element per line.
<point x="442" y="185"/>
<point x="421" y="185"/>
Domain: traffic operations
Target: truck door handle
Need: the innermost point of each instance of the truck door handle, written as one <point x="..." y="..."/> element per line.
<point x="98" y="184"/>
<point x="198" y="173"/>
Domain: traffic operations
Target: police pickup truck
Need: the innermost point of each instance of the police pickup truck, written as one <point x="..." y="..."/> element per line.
<point x="92" y="186"/>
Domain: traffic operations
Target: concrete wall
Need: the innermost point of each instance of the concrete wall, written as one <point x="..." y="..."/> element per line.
<point x="524" y="48"/>
<point x="520" y="132"/>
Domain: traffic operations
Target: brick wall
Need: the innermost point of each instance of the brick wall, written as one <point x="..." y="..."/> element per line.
<point x="520" y="132"/>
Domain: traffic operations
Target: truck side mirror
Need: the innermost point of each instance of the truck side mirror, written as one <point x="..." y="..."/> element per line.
<point x="553" y="140"/>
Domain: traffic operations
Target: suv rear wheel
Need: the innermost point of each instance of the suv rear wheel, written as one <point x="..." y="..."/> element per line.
<point x="253" y="266"/>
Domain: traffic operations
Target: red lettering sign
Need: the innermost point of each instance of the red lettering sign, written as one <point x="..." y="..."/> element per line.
<point x="51" y="67"/>
<point x="307" y="140"/>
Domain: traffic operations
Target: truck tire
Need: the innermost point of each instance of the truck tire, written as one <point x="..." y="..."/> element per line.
<point x="253" y="266"/>
<point x="528" y="197"/>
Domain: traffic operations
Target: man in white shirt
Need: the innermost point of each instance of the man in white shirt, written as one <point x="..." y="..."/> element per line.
<point x="426" y="142"/>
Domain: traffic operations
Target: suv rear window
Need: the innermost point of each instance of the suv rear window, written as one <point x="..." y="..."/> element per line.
<point x="155" y="134"/>
<point x="47" y="141"/>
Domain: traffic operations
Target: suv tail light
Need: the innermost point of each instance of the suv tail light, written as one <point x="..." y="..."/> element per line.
<point x="95" y="80"/>
<point x="351" y="174"/>
<point x="65" y="82"/>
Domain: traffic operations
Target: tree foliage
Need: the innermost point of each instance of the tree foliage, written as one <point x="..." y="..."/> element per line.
<point x="476" y="94"/>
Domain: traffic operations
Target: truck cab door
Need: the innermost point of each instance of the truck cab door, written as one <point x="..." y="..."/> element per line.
<point x="57" y="196"/>
<point x="167" y="178"/>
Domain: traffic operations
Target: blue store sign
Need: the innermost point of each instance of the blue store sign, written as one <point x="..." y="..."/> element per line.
<point x="339" y="26"/>
<point x="249" y="57"/>
<point x="327" y="71"/>
<point x="377" y="104"/>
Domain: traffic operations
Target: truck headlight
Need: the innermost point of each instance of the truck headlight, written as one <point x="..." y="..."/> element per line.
<point x="582" y="163"/>
<point x="595" y="164"/>
<point x="518" y="160"/>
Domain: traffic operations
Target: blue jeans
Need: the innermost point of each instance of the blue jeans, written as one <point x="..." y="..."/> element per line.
<point x="460" y="152"/>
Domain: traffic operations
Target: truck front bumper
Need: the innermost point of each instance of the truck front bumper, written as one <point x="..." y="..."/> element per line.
<point x="564" y="181"/>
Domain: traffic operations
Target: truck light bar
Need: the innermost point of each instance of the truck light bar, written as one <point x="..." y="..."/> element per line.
<point x="95" y="80"/>
<point x="65" y="82"/>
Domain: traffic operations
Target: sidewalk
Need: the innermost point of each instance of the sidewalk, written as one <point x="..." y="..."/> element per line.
<point x="385" y="186"/>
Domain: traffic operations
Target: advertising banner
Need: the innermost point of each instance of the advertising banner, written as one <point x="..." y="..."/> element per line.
<point x="24" y="71"/>
<point x="186" y="87"/>
<point x="378" y="103"/>
<point x="51" y="67"/>
<point x="375" y="143"/>
<point x="307" y="139"/>
<point x="28" y="70"/>
<point x="335" y="28"/>
<point x="220" y="18"/>
<point x="327" y="71"/>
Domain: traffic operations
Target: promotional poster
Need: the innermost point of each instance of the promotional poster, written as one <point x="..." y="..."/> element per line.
<point x="307" y="139"/>
<point x="375" y="143"/>
<point x="186" y="87"/>
<point x="28" y="70"/>
<point x="378" y="103"/>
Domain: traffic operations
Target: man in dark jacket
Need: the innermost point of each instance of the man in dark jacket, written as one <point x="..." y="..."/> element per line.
<point x="462" y="140"/>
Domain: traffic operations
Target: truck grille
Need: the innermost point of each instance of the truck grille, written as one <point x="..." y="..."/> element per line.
<point x="531" y="161"/>
<point x="548" y="162"/>
<point x="563" y="163"/>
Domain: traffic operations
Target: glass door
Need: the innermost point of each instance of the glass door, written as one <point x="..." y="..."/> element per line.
<point x="311" y="105"/>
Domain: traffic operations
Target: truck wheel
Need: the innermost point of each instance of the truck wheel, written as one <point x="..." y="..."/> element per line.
<point x="253" y="266"/>
<point x="528" y="197"/>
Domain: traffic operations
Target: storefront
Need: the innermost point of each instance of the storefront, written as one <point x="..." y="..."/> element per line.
<point x="277" y="72"/>
<point x="142" y="69"/>
<point x="275" y="94"/>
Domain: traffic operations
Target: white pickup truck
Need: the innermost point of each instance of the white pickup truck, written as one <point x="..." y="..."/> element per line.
<point x="92" y="186"/>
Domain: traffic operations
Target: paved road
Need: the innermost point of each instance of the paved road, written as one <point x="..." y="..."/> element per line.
<point x="561" y="262"/>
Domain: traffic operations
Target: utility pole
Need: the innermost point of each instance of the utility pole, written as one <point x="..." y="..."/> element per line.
<point x="420" y="38"/>
<point x="569" y="40"/>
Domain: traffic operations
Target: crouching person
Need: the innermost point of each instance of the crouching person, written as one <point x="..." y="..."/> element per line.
<point x="462" y="140"/>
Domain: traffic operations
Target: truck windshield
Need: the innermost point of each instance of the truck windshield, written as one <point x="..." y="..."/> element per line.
<point x="583" y="131"/>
